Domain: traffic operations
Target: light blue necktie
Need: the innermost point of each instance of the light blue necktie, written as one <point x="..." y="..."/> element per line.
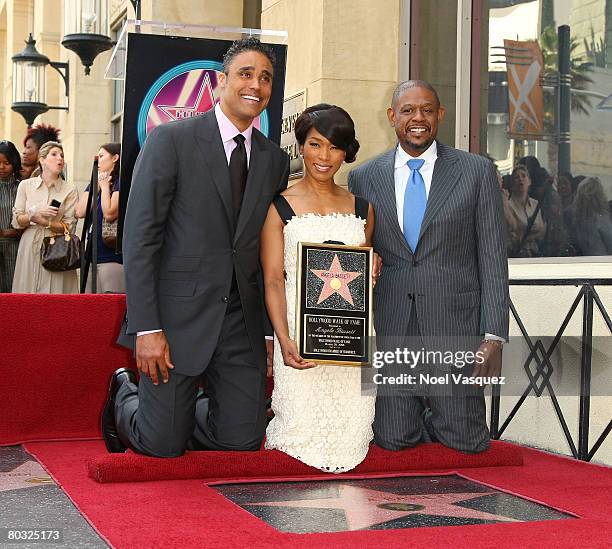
<point x="415" y="201"/>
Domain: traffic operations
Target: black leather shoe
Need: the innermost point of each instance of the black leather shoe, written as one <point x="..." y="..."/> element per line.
<point x="109" y="429"/>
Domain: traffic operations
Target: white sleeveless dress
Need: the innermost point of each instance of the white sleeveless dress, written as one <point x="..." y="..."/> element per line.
<point x="321" y="416"/>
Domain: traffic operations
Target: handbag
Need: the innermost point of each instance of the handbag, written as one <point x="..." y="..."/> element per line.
<point x="109" y="233"/>
<point x="61" y="252"/>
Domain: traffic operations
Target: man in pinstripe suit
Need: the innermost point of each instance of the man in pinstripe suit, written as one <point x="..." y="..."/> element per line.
<point x="444" y="279"/>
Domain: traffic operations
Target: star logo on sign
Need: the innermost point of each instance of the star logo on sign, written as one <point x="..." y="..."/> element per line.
<point x="204" y="101"/>
<point x="365" y="508"/>
<point x="335" y="280"/>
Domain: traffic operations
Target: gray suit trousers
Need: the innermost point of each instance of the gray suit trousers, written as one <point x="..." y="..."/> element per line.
<point x="167" y="419"/>
<point x="457" y="417"/>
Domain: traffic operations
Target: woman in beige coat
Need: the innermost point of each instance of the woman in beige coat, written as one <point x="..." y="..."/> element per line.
<point x="34" y="213"/>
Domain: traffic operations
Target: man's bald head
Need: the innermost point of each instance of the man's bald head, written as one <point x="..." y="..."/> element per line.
<point x="406" y="84"/>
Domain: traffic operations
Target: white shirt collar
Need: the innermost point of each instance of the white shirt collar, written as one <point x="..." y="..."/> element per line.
<point x="429" y="155"/>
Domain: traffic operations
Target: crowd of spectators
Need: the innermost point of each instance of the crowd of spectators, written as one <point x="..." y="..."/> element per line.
<point x="36" y="201"/>
<point x="550" y="216"/>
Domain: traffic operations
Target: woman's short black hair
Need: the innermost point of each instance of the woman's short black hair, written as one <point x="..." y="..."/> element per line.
<point x="332" y="122"/>
<point x="8" y="149"/>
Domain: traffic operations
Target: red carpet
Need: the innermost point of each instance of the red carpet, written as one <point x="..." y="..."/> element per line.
<point x="132" y="467"/>
<point x="58" y="353"/>
<point x="187" y="513"/>
<point x="57" y="356"/>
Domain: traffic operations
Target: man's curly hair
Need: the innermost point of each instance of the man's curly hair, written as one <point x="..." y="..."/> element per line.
<point x="246" y="44"/>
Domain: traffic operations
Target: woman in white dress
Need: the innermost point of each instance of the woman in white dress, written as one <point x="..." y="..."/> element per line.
<point x="321" y="415"/>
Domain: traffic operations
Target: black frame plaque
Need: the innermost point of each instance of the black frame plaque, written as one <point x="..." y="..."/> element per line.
<point x="334" y="304"/>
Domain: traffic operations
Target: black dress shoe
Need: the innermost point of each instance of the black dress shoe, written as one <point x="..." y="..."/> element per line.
<point x="109" y="429"/>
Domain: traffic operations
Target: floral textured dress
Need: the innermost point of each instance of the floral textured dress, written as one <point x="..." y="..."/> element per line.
<point x="321" y="416"/>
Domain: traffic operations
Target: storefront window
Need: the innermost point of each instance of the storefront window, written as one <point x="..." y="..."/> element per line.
<point x="552" y="148"/>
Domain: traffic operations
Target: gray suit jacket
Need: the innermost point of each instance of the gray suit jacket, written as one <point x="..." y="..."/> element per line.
<point x="180" y="245"/>
<point x="457" y="278"/>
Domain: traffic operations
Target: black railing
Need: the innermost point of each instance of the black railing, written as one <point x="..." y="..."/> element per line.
<point x="540" y="381"/>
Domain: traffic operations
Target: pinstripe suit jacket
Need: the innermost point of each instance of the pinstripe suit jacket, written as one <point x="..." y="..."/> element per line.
<point x="457" y="278"/>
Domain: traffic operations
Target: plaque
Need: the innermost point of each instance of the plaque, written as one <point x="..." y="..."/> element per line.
<point x="334" y="304"/>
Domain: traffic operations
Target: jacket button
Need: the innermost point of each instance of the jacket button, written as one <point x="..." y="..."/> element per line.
<point x="410" y="297"/>
<point x="225" y="299"/>
<point x="415" y="263"/>
<point x="234" y="250"/>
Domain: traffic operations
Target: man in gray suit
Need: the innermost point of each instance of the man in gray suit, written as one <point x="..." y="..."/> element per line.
<point x="444" y="279"/>
<point x="199" y="196"/>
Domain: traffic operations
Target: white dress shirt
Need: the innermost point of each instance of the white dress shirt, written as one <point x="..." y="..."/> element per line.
<point x="402" y="173"/>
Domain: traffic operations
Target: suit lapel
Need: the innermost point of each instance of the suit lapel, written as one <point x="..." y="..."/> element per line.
<point x="209" y="141"/>
<point x="444" y="177"/>
<point x="385" y="190"/>
<point x="258" y="166"/>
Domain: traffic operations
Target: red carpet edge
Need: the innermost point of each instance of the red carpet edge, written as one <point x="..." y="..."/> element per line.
<point x="131" y="467"/>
